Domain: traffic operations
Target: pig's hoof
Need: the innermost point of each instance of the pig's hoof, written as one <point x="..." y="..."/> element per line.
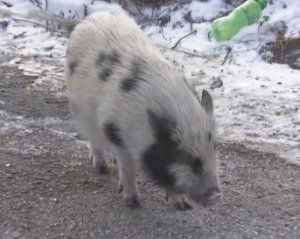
<point x="120" y="187"/>
<point x="103" y="169"/>
<point x="132" y="202"/>
<point x="99" y="168"/>
<point x="180" y="202"/>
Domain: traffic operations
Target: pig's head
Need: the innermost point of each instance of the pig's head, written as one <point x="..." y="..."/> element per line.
<point x="184" y="156"/>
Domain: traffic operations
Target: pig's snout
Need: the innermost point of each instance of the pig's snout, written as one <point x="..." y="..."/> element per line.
<point x="212" y="197"/>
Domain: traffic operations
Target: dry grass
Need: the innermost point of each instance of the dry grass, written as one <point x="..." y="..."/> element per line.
<point x="156" y="3"/>
<point x="281" y="51"/>
<point x="151" y="2"/>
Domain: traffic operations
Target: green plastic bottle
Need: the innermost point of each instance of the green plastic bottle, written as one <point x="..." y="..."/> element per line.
<point x="249" y="12"/>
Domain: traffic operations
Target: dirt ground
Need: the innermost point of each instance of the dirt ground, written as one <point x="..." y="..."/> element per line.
<point x="47" y="189"/>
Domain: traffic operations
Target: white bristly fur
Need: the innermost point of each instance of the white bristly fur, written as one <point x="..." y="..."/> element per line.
<point x="163" y="90"/>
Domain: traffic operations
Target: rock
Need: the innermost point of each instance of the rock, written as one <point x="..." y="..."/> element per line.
<point x="177" y="24"/>
<point x="283" y="51"/>
<point x="293" y="53"/>
<point x="234" y="3"/>
<point x="164" y="19"/>
<point x="4" y="24"/>
<point x="294" y="61"/>
<point x="16" y="60"/>
<point x="217" y="83"/>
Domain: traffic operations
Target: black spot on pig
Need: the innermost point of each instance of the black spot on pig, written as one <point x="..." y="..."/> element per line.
<point x="106" y="63"/>
<point x="197" y="166"/>
<point x="162" y="153"/>
<point x="100" y="59"/>
<point x="137" y="66"/>
<point x="131" y="83"/>
<point x="113" y="133"/>
<point x="162" y="126"/>
<point x="105" y="74"/>
<point x="114" y="58"/>
<point x="108" y="59"/>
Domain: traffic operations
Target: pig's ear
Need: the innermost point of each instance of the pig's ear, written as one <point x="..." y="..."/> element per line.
<point x="206" y="102"/>
<point x="162" y="126"/>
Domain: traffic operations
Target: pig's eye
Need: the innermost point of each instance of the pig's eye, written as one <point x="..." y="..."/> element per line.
<point x="197" y="165"/>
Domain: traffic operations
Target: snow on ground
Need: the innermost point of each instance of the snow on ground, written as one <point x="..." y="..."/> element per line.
<point x="258" y="103"/>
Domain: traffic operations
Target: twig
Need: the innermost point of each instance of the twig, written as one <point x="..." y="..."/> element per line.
<point x="297" y="29"/>
<point x="162" y="33"/>
<point x="46" y="8"/>
<point x="189" y="19"/>
<point x="37" y="2"/>
<point x="85" y="10"/>
<point x="34" y="23"/>
<point x="208" y="36"/>
<point x="7" y="4"/>
<point x="259" y="35"/>
<point x="183" y="51"/>
<point x="189" y="53"/>
<point x="180" y="39"/>
<point x="21" y="20"/>
<point x="191" y="26"/>
<point x="229" y="49"/>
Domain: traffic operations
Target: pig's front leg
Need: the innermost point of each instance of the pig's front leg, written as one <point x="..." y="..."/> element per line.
<point x="97" y="159"/>
<point x="127" y="180"/>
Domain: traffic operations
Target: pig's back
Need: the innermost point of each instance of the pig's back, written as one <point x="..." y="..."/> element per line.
<point x="116" y="74"/>
<point x="103" y="50"/>
<point x="111" y="68"/>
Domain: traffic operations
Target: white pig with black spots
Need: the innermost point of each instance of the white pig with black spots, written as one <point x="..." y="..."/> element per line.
<point x="128" y="99"/>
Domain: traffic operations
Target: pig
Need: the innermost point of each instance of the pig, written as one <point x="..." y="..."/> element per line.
<point x="126" y="98"/>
